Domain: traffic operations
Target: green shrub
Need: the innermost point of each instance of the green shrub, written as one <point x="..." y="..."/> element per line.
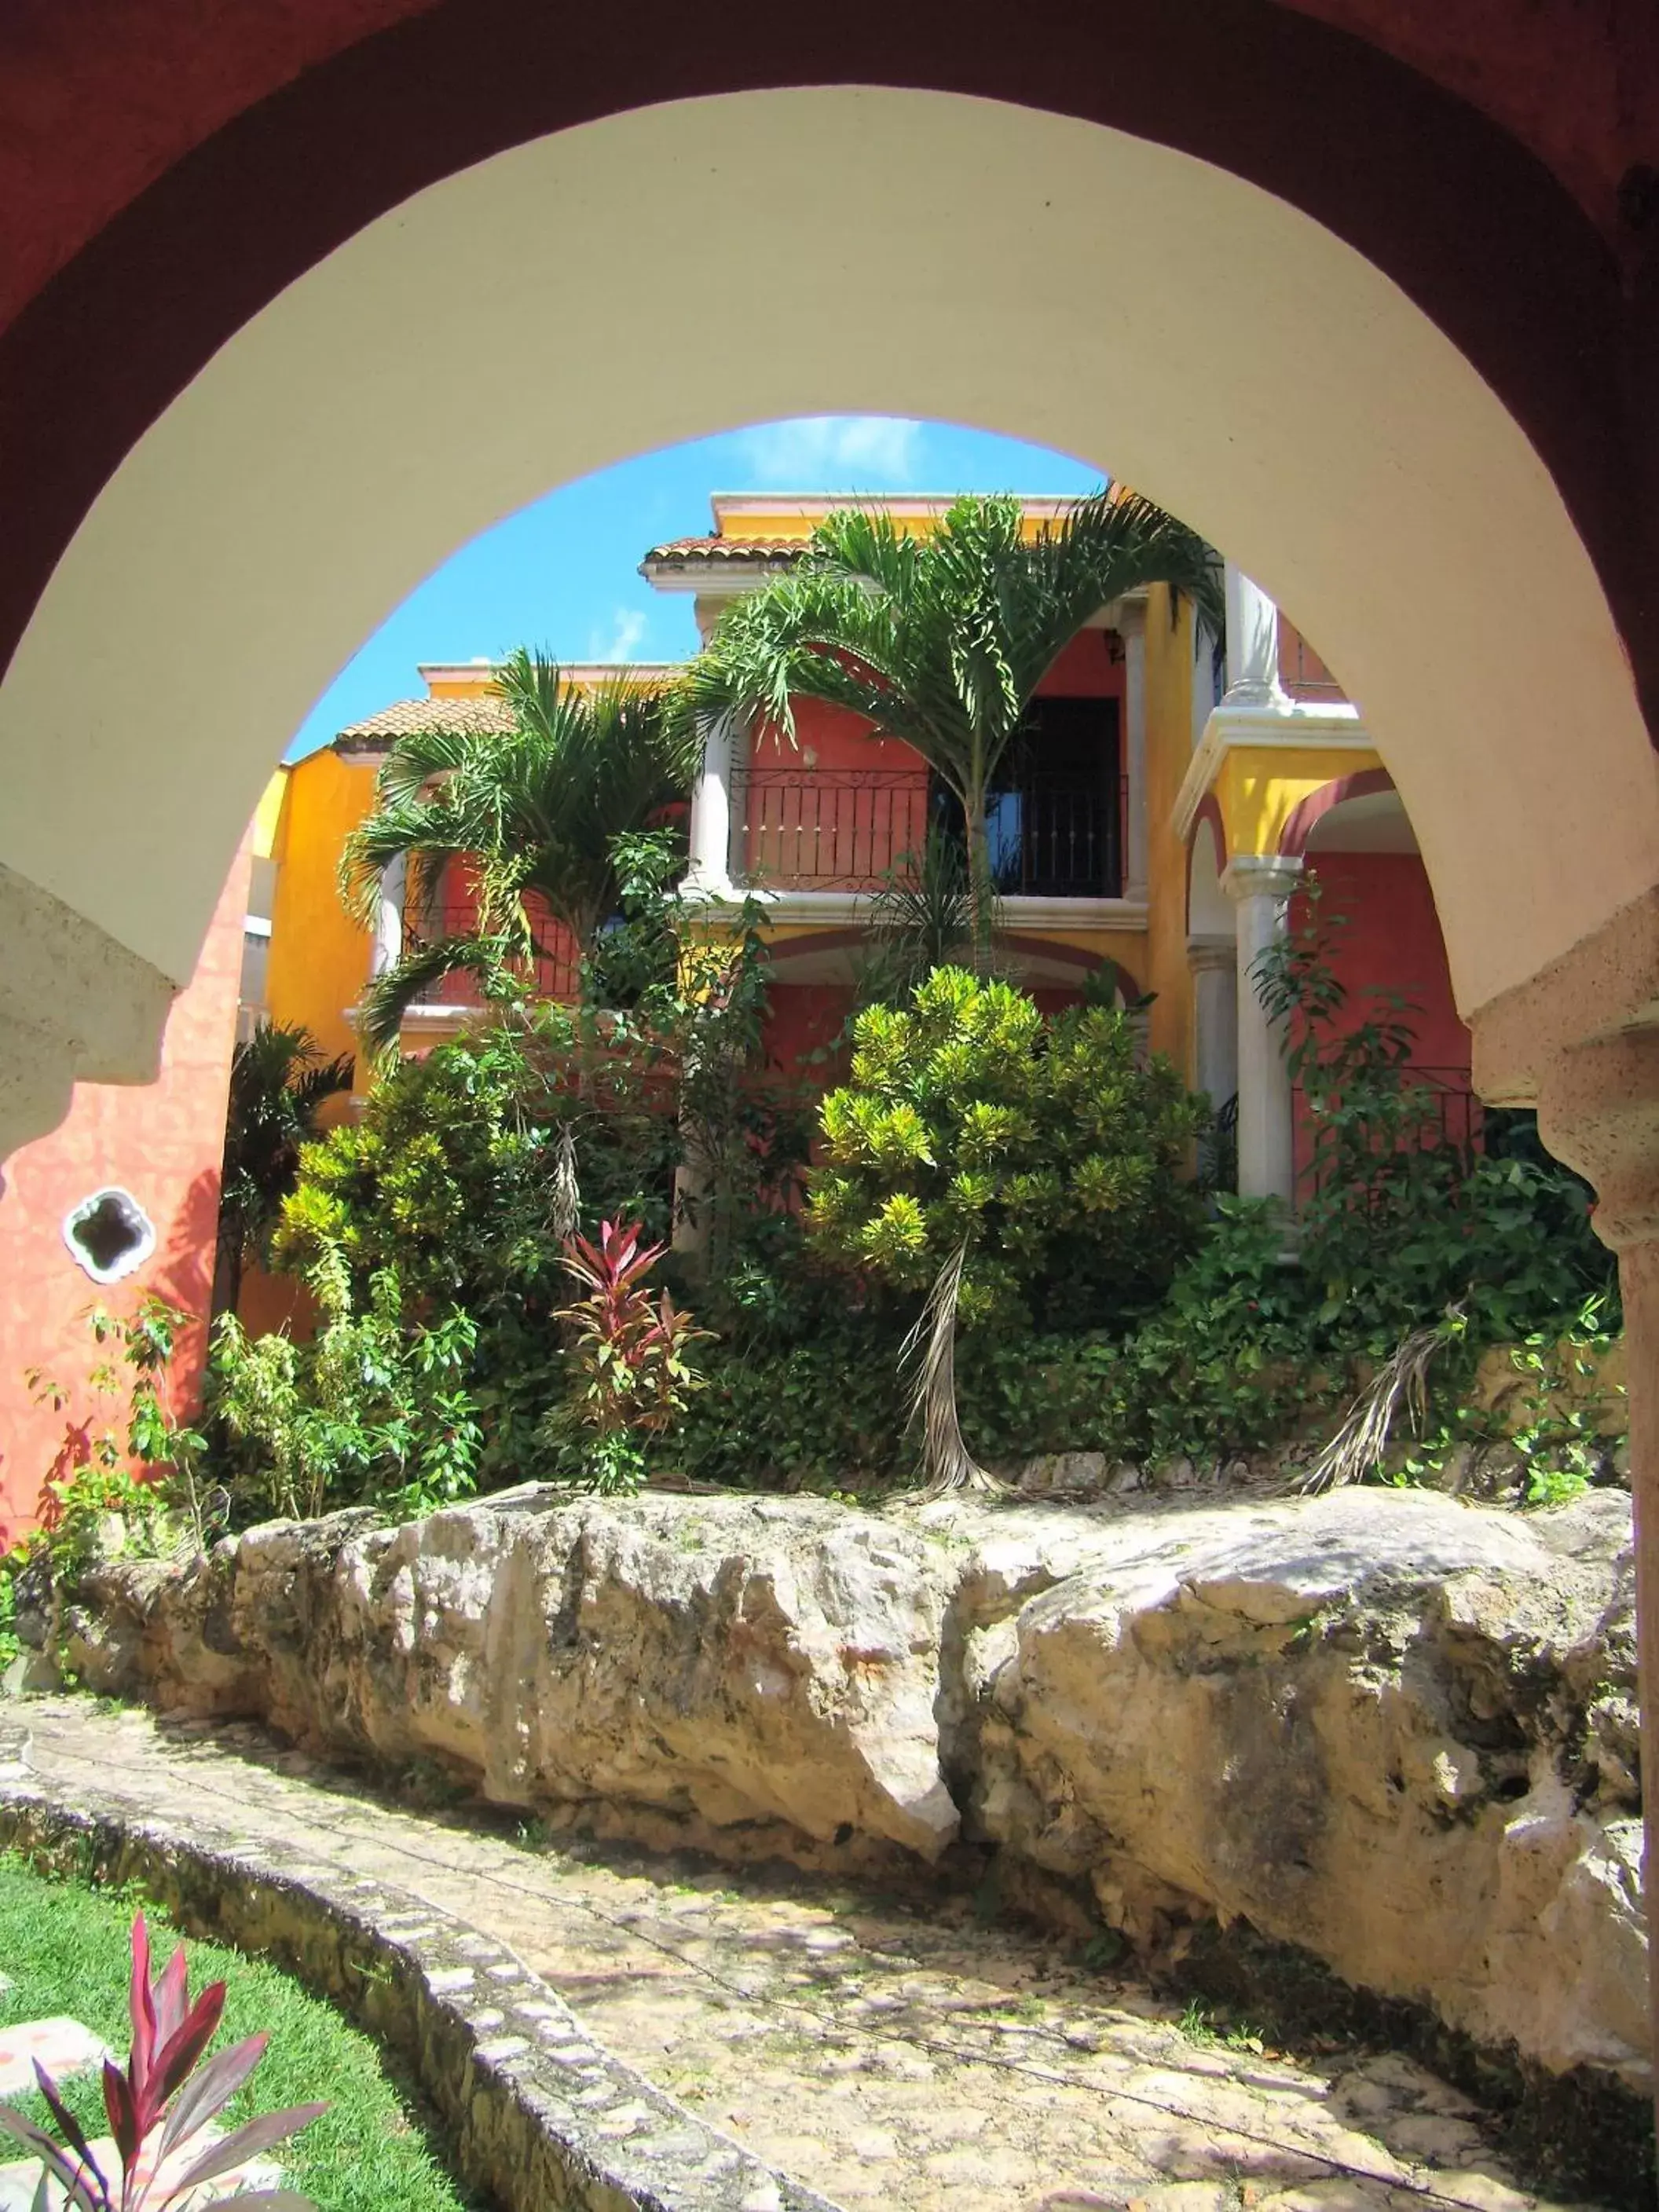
<point x="376" y="1407"/>
<point x="432" y="1230"/>
<point x="126" y="1473"/>
<point x="1040" y="1143"/>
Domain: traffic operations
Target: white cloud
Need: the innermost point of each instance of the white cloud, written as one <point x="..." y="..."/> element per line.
<point x="835" y="452"/>
<point x="623" y="641"/>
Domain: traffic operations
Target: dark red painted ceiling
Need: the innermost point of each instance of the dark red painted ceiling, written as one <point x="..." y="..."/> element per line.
<point x="98" y="100"/>
<point x="167" y="166"/>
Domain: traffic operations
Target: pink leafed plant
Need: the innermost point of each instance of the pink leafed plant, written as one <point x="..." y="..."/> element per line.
<point x="632" y="1348"/>
<point x="157" y="2110"/>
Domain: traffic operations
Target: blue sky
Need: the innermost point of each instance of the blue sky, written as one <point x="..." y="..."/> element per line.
<point x="563" y="573"/>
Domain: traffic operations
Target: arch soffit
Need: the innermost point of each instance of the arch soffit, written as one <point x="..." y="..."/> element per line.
<point x="1306" y="815"/>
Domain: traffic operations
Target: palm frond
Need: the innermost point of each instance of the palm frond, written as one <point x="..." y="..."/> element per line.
<point x="922" y="918"/>
<point x="325" y="1078"/>
<point x="387" y="998"/>
<point x="422" y="832"/>
<point x="419" y="757"/>
<point x="278" y="1079"/>
<point x="1399" y="1385"/>
<point x="531" y="811"/>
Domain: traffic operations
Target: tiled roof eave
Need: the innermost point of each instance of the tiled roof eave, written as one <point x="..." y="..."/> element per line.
<point x="465" y="717"/>
<point x="724" y="552"/>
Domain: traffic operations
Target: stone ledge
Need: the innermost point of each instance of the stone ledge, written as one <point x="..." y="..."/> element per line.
<point x="540" y="2114"/>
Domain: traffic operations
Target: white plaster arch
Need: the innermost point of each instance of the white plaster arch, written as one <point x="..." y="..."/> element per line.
<point x="686" y="268"/>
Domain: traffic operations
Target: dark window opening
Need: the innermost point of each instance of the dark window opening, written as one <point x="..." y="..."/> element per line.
<point x="1054" y="815"/>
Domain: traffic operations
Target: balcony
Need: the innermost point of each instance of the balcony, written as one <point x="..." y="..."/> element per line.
<point x="1438" y="1112"/>
<point x="849" y="829"/>
<point x="557" y="974"/>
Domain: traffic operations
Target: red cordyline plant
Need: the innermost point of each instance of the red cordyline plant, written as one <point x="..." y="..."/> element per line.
<point x="632" y="1349"/>
<point x="169" y="2036"/>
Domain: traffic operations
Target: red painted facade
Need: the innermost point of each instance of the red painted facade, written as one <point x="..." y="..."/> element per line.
<point x="162" y="1142"/>
<point x="1389" y="936"/>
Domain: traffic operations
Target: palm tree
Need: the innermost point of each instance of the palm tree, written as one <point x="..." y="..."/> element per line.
<point x="533" y="809"/>
<point x="278" y="1079"/>
<point x="919" y="920"/>
<point x="941" y="641"/>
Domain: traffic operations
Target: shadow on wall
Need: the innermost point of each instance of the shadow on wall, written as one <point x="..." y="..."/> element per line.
<point x="160" y="1144"/>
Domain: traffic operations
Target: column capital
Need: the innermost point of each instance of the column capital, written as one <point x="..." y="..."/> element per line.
<point x="1261" y="875"/>
<point x="1598" y="1110"/>
<point x="1580" y="1041"/>
<point x="1210" y="954"/>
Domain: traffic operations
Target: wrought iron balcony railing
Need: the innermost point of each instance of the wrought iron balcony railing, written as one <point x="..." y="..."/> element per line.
<point x="799" y="828"/>
<point x="557" y="973"/>
<point x="1439" y="1111"/>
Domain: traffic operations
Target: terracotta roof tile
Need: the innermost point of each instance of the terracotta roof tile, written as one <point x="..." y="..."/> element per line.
<point x="682" y="551"/>
<point x="486" y="715"/>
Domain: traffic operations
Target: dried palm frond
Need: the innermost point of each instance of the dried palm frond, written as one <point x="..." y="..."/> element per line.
<point x="1401" y="1383"/>
<point x="946" y="1462"/>
<point x="565" y="1199"/>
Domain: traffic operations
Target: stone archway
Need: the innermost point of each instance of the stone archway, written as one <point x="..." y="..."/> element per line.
<point x="1203" y="339"/>
<point x="1444" y="472"/>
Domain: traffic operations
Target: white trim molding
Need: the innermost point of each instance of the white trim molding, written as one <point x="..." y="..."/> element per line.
<point x="1286" y="725"/>
<point x="852" y="909"/>
<point x="575" y="672"/>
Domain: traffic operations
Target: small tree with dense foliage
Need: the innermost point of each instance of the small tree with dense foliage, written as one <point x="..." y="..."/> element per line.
<point x="1040" y="1144"/>
<point x="533" y="812"/>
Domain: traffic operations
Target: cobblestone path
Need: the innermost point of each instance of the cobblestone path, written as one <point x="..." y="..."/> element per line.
<point x="885" y="2056"/>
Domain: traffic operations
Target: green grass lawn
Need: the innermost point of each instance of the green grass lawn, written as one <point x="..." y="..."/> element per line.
<point x="66" y="1949"/>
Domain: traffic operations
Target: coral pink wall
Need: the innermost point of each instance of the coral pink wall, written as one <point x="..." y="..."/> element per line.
<point x="805" y="1018"/>
<point x="162" y="1142"/>
<point x="1085" y="669"/>
<point x="1393" y="939"/>
<point x="834" y="738"/>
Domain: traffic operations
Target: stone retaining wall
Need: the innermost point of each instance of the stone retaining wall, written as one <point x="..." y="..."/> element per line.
<point x="1397" y="1730"/>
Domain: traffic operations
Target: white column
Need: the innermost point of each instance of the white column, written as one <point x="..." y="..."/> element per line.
<point x="1204" y="684"/>
<point x="1214" y="962"/>
<point x="710" y="872"/>
<point x="389" y="919"/>
<point x="1132" y="628"/>
<point x="1252" y="642"/>
<point x="1261" y="882"/>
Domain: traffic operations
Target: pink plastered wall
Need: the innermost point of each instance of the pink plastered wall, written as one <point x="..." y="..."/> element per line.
<point x="1085" y="669"/>
<point x="1391" y="938"/>
<point x="805" y="1019"/>
<point x="162" y="1142"/>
